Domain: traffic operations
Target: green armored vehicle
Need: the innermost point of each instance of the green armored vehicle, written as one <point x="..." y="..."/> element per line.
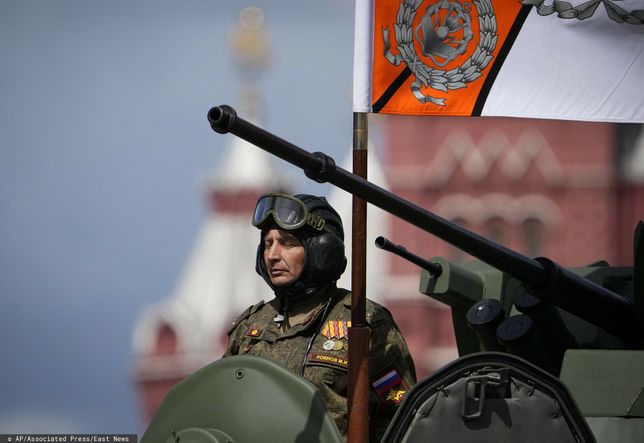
<point x="546" y="353"/>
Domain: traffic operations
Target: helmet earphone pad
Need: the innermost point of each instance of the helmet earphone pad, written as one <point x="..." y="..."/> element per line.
<point x="326" y="256"/>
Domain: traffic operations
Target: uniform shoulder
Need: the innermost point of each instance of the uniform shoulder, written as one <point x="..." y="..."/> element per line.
<point x="245" y="314"/>
<point x="375" y="312"/>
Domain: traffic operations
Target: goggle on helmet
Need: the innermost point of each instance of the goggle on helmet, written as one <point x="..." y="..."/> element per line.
<point x="285" y="211"/>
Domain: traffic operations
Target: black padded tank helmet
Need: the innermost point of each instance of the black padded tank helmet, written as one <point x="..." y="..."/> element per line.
<point x="317" y="225"/>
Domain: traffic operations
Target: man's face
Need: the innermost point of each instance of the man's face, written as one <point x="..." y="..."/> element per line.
<point x="284" y="256"/>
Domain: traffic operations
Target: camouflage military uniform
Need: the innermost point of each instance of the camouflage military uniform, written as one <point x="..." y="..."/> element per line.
<point x="391" y="369"/>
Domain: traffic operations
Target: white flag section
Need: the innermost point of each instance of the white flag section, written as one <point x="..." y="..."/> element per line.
<point x="560" y="69"/>
<point x="588" y="68"/>
<point x="363" y="56"/>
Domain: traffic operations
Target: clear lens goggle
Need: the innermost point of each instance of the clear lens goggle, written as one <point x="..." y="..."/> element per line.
<point x="287" y="212"/>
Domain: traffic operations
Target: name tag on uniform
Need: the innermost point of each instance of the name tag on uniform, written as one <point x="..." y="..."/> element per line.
<point x="332" y="360"/>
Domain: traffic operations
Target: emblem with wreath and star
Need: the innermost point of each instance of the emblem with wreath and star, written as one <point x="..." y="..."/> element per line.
<point x="443" y="34"/>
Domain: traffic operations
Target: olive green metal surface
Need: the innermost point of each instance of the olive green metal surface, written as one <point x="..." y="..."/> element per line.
<point x="606" y="382"/>
<point x="246" y="398"/>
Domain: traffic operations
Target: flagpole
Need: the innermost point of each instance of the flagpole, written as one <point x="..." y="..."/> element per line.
<point x="358" y="377"/>
<point x="358" y="389"/>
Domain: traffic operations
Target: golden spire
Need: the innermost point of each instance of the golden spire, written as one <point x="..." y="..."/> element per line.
<point x="250" y="41"/>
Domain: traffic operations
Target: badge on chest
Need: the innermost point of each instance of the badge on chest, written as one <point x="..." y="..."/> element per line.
<point x="336" y="329"/>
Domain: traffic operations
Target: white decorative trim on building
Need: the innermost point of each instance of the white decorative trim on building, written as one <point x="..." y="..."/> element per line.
<point x="515" y="210"/>
<point x="459" y="151"/>
<point x="633" y="163"/>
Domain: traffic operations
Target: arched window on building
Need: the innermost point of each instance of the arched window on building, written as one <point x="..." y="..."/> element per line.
<point x="533" y="237"/>
<point x="167" y="341"/>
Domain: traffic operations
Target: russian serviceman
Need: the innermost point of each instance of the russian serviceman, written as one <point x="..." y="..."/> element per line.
<point x="305" y="327"/>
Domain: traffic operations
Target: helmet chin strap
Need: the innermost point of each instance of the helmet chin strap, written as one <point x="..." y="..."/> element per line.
<point x="293" y="293"/>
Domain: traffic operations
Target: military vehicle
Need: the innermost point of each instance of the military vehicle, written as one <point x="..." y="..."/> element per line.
<point x="546" y="353"/>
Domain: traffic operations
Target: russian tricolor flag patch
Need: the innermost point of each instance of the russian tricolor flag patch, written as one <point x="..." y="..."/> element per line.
<point x="390" y="387"/>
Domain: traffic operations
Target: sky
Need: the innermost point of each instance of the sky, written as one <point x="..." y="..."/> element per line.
<point x="103" y="143"/>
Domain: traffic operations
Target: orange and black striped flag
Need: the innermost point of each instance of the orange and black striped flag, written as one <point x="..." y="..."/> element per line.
<point x="576" y="60"/>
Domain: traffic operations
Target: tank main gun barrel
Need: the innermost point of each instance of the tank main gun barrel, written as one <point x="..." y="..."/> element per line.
<point x="542" y="277"/>
<point x="434" y="269"/>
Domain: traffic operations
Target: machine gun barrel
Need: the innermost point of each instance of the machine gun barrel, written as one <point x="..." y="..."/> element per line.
<point x="542" y="277"/>
<point x="433" y="268"/>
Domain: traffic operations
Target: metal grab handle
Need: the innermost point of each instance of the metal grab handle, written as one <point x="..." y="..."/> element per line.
<point x="477" y="380"/>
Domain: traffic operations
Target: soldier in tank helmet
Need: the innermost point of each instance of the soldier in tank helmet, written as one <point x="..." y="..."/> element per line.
<point x="305" y="327"/>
